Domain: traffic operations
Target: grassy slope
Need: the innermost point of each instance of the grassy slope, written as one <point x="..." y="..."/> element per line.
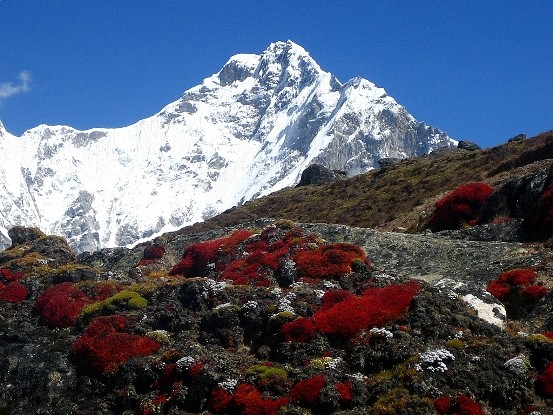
<point x="395" y="197"/>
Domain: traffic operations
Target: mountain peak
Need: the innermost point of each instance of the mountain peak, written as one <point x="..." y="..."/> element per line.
<point x="246" y="131"/>
<point x="288" y="47"/>
<point x="280" y="60"/>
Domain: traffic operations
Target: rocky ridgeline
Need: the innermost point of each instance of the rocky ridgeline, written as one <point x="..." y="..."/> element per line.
<point x="276" y="317"/>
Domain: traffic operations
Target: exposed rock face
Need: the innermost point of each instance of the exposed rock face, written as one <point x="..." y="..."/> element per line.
<point x="317" y="174"/>
<point x="389" y="162"/>
<point x="517" y="196"/>
<point x="20" y="235"/>
<point x="468" y="145"/>
<point x="246" y="131"/>
<point x="518" y="137"/>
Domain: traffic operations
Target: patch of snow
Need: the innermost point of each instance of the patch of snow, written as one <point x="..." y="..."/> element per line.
<point x="492" y="313"/>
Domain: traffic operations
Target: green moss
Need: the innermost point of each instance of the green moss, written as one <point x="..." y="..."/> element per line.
<point x="399" y="401"/>
<point x="455" y="344"/>
<point x="137" y="302"/>
<point x="30" y="259"/>
<point x="93" y="308"/>
<point x="284" y="224"/>
<point x="283" y="315"/>
<point x="273" y="372"/>
<point x="160" y="336"/>
<point x="265" y="372"/>
<point x="71" y="267"/>
<point x="320" y="363"/>
<point x="538" y="338"/>
<point x="123" y="299"/>
<point x="271" y="308"/>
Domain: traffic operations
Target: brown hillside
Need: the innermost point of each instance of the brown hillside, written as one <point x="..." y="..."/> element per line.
<point x="395" y="197"/>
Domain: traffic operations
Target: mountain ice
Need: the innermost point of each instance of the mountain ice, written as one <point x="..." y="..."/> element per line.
<point x="246" y="131"/>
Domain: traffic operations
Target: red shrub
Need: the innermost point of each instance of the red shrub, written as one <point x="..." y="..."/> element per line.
<point x="257" y="261"/>
<point x="194" y="371"/>
<point x="60" y="305"/>
<point x="548" y="334"/>
<point x="153" y="252"/>
<point x="219" y="400"/>
<point x="517" y="285"/>
<point x="461" y="405"/>
<point x="103" y="347"/>
<point x="169" y="378"/>
<point x="544" y="382"/>
<point x="498" y="289"/>
<point x="10" y="275"/>
<point x="376" y="307"/>
<point x="264" y="256"/>
<point x="106" y="289"/>
<point x="533" y="293"/>
<point x="442" y="405"/>
<point x="328" y="261"/>
<point x="501" y="219"/>
<point x="330" y="298"/>
<point x="247" y="400"/>
<point x="14" y="292"/>
<point x="196" y="256"/>
<point x="346" y="392"/>
<point x="267" y="254"/>
<point x="464" y="405"/>
<point x="460" y="206"/>
<point x="244" y="272"/>
<point x="306" y="392"/>
<point x="539" y="221"/>
<point x="524" y="277"/>
<point x="300" y="330"/>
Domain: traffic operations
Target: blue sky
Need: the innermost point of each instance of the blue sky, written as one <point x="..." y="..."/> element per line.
<point x="479" y="70"/>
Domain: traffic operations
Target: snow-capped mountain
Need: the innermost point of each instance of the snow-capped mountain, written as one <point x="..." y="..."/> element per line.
<point x="246" y="131"/>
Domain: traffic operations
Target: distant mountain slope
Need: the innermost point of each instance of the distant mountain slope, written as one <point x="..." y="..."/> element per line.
<point x="247" y="131"/>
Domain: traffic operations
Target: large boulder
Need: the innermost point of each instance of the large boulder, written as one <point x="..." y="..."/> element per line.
<point x="21" y="235"/>
<point x="389" y="162"/>
<point x="468" y="145"/>
<point x="517" y="196"/>
<point x="317" y="174"/>
<point x="519" y="137"/>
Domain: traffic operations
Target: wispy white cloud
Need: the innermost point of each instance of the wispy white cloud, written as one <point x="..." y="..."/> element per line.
<point x="9" y="89"/>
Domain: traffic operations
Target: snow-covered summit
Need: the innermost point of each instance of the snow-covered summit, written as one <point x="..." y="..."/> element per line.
<point x="246" y="131"/>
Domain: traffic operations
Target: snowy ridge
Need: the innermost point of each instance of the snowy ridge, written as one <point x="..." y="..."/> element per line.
<point x="246" y="131"/>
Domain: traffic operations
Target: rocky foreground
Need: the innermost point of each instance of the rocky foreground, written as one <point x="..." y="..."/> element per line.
<point x="276" y="317"/>
<point x="273" y="318"/>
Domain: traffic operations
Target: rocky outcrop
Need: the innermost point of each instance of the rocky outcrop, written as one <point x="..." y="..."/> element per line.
<point x="517" y="196"/>
<point x="317" y="174"/>
<point x="518" y="137"/>
<point x="468" y="145"/>
<point x="388" y="162"/>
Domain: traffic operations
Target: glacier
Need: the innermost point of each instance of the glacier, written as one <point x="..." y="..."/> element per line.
<point x="246" y="131"/>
